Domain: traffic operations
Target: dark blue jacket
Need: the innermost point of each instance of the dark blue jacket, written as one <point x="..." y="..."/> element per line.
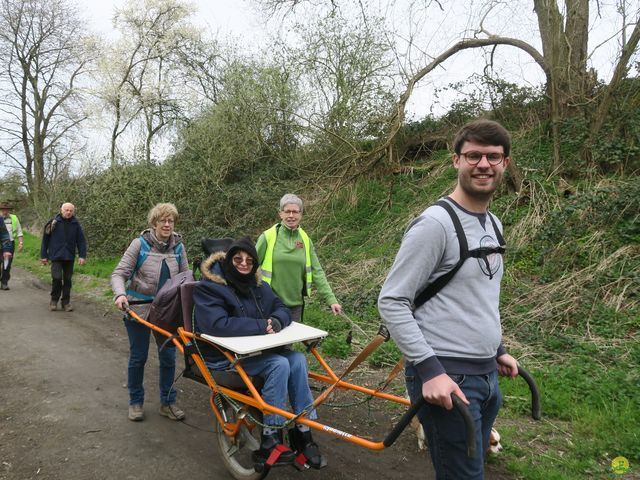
<point x="5" y="242"/>
<point x="61" y="238"/>
<point x="221" y="311"/>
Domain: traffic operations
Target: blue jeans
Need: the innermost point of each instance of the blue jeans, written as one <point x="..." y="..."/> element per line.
<point x="445" y="429"/>
<point x="138" y="352"/>
<point x="285" y="376"/>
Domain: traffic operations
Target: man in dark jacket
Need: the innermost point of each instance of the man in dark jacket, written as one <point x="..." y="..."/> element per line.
<point x="5" y="240"/>
<point x="62" y="236"/>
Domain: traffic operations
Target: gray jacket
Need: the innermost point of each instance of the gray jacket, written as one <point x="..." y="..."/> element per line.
<point x="457" y="331"/>
<point x="145" y="280"/>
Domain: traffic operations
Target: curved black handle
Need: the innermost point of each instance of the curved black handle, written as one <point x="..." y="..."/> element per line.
<point x="470" y="427"/>
<point x="403" y="422"/>
<point x="413" y="409"/>
<point x="535" y="393"/>
<point x="139" y="302"/>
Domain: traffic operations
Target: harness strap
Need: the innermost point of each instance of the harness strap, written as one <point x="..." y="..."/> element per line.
<point x="167" y="341"/>
<point x="393" y="374"/>
<point x="439" y="283"/>
<point x="433" y="288"/>
<point x="381" y="337"/>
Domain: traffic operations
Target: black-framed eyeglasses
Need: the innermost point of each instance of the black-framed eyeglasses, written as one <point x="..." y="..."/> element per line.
<point x="239" y="261"/>
<point x="473" y="158"/>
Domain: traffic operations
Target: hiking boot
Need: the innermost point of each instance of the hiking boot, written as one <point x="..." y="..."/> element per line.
<point x="172" y="412"/>
<point x="67" y="307"/>
<point x="4" y="286"/>
<point x="53" y="306"/>
<point x="272" y="444"/>
<point x="136" y="414"/>
<point x="303" y="444"/>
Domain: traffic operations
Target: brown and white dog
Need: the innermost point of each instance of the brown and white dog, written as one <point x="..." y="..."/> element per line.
<point x="495" y="446"/>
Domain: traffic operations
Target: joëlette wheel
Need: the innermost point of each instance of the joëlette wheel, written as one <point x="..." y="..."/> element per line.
<point x="237" y="451"/>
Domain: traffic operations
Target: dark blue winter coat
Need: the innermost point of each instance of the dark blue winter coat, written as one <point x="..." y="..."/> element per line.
<point x="5" y="239"/>
<point x="221" y="311"/>
<point x="61" y="238"/>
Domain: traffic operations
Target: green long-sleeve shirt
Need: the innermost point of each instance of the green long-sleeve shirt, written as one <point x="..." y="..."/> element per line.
<point x="288" y="276"/>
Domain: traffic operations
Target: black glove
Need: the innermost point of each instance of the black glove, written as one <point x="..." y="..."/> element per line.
<point x="276" y="325"/>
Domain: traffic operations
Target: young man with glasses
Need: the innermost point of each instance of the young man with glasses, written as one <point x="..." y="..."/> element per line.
<point x="451" y="337"/>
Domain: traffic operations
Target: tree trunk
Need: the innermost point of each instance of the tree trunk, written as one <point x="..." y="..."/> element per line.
<point x="619" y="74"/>
<point x="564" y="46"/>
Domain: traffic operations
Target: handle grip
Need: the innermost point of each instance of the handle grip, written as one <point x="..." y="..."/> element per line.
<point x="458" y="404"/>
<point x="139" y="302"/>
<point x="535" y="393"/>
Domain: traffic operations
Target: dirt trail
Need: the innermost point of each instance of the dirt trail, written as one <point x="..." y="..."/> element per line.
<point x="63" y="407"/>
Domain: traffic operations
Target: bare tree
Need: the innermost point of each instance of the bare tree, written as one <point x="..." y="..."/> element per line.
<point x="141" y="73"/>
<point x="563" y="59"/>
<point x="564" y="34"/>
<point x="204" y="62"/>
<point x="348" y="71"/>
<point x="43" y="51"/>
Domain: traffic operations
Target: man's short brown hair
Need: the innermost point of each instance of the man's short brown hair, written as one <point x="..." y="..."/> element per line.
<point x="485" y="132"/>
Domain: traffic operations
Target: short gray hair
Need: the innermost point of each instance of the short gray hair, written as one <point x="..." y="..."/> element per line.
<point x="290" y="198"/>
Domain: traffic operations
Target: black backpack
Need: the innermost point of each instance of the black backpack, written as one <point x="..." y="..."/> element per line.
<point x="166" y="308"/>
<point x="433" y="288"/>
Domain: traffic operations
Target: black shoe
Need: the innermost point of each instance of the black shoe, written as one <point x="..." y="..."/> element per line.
<point x="268" y="444"/>
<point x="4" y="286"/>
<point x="302" y="443"/>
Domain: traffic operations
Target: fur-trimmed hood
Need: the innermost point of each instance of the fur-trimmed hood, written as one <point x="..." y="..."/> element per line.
<point x="211" y="269"/>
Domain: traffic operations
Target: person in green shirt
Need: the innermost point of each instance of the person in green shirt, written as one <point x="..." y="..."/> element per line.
<point x="289" y="262"/>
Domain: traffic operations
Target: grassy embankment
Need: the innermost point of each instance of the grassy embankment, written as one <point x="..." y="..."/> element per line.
<point x="570" y="306"/>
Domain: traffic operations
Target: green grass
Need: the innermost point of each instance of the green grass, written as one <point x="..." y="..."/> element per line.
<point x="570" y="312"/>
<point x="570" y="308"/>
<point x="92" y="278"/>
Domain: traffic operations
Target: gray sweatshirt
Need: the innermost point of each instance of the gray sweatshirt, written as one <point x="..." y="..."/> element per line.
<point x="458" y="330"/>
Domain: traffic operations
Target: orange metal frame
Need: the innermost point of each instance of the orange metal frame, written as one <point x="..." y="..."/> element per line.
<point x="254" y="399"/>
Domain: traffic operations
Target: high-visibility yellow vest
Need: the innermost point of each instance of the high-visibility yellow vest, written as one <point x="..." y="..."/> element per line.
<point x="267" y="264"/>
<point x="14" y="222"/>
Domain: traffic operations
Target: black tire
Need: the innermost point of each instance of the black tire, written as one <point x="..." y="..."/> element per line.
<point x="237" y="451"/>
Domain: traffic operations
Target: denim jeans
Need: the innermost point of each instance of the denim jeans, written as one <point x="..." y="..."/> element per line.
<point x="139" y="336"/>
<point x="285" y="376"/>
<point x="445" y="429"/>
<point x="61" y="273"/>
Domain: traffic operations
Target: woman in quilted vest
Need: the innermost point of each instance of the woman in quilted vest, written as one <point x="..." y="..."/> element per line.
<point x="152" y="258"/>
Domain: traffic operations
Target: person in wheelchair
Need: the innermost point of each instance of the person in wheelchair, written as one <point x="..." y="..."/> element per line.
<point x="231" y="300"/>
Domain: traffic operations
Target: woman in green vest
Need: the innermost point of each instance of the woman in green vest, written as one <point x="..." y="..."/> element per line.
<point x="289" y="262"/>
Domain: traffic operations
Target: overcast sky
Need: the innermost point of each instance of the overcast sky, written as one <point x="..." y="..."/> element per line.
<point x="436" y="30"/>
<point x="236" y="17"/>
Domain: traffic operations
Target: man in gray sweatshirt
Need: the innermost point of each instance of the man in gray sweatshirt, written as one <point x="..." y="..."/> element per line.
<point x="451" y="337"/>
